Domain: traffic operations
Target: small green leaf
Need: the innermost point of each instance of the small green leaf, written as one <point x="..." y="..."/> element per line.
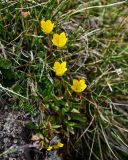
<point x="74" y="110"/>
<point x="40" y="135"/>
<point x="56" y="126"/>
<point x="79" y="118"/>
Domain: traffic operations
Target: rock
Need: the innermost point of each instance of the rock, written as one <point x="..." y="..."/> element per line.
<point x="10" y="135"/>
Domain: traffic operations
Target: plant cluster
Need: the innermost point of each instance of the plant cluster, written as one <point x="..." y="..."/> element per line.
<point x="78" y="86"/>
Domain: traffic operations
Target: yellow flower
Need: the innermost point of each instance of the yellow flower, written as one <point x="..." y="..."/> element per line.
<point x="47" y="26"/>
<point x="59" y="40"/>
<point x="49" y="148"/>
<point x="78" y="85"/>
<point x="58" y="145"/>
<point x="60" y="68"/>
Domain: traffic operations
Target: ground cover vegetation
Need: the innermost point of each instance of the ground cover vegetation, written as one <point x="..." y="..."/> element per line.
<point x="66" y="63"/>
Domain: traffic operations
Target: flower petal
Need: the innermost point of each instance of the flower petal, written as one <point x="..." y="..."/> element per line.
<point x="49" y="148"/>
<point x="82" y="81"/>
<point x="56" y="146"/>
<point x="73" y="88"/>
<point x="60" y="144"/>
<point x="78" y="86"/>
<point x="56" y="65"/>
<point x="75" y="82"/>
<point x="63" y="35"/>
<point x="55" y="39"/>
<point x="42" y="23"/>
<point x="63" y="64"/>
<point x="60" y="68"/>
<point x="47" y="26"/>
<point x="62" y="39"/>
